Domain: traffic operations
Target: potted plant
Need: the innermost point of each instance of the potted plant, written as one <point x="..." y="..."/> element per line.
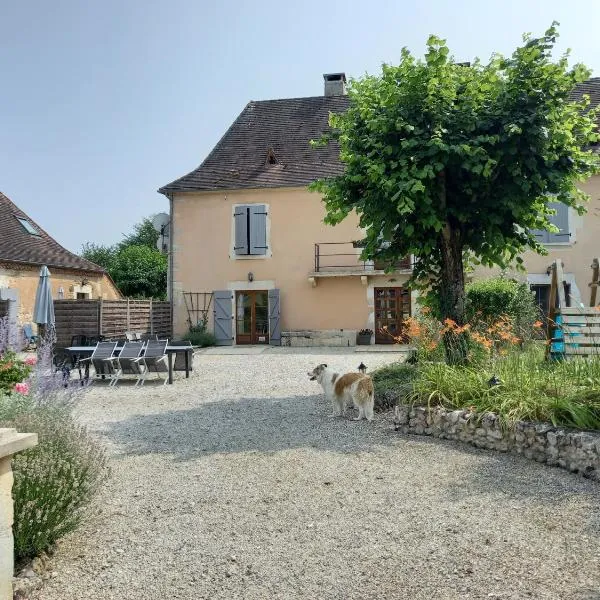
<point x="363" y="338"/>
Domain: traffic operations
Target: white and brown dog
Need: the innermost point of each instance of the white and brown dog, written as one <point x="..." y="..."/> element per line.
<point x="345" y="389"/>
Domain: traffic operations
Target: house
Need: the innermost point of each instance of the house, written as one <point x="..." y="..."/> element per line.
<point x="245" y="227"/>
<point x="24" y="248"/>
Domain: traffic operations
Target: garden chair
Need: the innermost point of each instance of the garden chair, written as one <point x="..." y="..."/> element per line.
<point x="128" y="361"/>
<point x="30" y="337"/>
<point x="102" y="360"/>
<point x="154" y="359"/>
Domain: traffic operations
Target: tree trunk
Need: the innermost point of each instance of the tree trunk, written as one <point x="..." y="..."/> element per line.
<point x="452" y="295"/>
<point x="452" y="285"/>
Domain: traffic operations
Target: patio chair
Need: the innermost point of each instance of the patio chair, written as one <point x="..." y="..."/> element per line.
<point x="102" y="360"/>
<point x="154" y="359"/>
<point x="29" y="336"/>
<point x="128" y="361"/>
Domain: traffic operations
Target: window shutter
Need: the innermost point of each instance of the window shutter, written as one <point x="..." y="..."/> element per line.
<point x="274" y="318"/>
<point x="223" y="317"/>
<point x="241" y="230"/>
<point x="258" y="229"/>
<point x="561" y="220"/>
<point x="541" y="235"/>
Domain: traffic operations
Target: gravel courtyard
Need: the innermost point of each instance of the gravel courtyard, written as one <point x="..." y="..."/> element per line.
<point x="234" y="484"/>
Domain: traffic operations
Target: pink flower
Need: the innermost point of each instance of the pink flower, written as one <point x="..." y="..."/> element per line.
<point x="22" y="388"/>
<point x="31" y="360"/>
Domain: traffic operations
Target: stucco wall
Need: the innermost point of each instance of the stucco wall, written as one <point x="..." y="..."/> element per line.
<point x="576" y="254"/>
<point x="203" y="257"/>
<point x="25" y="280"/>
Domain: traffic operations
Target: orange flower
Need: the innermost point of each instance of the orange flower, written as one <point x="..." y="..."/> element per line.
<point x="537" y="324"/>
<point x="450" y="323"/>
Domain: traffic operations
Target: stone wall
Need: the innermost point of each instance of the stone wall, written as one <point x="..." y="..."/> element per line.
<point x="325" y="337"/>
<point x="577" y="451"/>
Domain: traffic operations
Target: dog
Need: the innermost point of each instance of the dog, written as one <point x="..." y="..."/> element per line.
<point x="344" y="389"/>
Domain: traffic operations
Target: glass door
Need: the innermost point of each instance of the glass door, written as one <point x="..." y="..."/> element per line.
<point x="252" y="317"/>
<point x="392" y="306"/>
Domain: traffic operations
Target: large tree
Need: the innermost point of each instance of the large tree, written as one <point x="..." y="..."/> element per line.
<point x="135" y="264"/>
<point x="447" y="160"/>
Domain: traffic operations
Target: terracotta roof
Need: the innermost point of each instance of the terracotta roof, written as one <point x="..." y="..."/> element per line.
<point x="243" y="158"/>
<point x="279" y="128"/>
<point x="17" y="245"/>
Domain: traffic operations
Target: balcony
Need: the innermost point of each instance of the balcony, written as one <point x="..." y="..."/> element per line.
<point x="342" y="259"/>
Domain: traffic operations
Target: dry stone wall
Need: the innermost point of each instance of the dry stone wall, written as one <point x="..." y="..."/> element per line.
<point x="577" y="451"/>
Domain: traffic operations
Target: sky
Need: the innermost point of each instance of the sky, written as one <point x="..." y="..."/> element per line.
<point x="103" y="102"/>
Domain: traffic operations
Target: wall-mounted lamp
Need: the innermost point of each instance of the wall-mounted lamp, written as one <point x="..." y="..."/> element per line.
<point x="250" y="276"/>
<point x="84" y="282"/>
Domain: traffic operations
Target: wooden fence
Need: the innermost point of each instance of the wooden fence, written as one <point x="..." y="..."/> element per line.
<point x="110" y="318"/>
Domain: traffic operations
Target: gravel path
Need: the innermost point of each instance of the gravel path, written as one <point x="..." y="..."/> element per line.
<point x="235" y="484"/>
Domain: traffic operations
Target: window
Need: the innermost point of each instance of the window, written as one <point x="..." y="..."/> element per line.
<point x="29" y="228"/>
<point x="250" y="230"/>
<point x="561" y="220"/>
<point x="541" y="294"/>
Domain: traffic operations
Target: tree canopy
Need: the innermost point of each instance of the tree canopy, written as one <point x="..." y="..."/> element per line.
<point x="135" y="264"/>
<point x="445" y="160"/>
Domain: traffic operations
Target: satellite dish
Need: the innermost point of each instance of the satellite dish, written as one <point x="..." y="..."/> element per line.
<point x="160" y="222"/>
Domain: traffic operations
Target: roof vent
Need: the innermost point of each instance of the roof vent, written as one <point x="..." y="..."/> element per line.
<point x="335" y="84"/>
<point x="271" y="158"/>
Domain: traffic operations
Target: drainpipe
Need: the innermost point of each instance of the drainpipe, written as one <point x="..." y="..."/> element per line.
<point x="170" y="259"/>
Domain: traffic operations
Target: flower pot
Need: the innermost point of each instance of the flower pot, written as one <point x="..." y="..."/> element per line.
<point x="363" y="339"/>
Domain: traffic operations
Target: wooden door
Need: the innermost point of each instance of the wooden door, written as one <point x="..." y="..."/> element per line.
<point x="252" y="317"/>
<point x="392" y="306"/>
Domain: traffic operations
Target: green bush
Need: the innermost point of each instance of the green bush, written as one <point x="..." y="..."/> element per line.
<point x="54" y="481"/>
<point x="488" y="299"/>
<point x="392" y="383"/>
<point x="200" y="338"/>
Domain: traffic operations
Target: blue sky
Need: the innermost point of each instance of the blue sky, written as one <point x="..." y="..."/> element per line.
<point x="104" y="102"/>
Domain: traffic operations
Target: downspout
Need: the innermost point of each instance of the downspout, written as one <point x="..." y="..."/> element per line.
<point x="170" y="258"/>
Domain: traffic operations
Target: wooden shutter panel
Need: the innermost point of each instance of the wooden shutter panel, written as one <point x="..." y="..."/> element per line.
<point x="223" y="317"/>
<point x="274" y="318"/>
<point x="561" y="220"/>
<point x="258" y="229"/>
<point x="241" y="230"/>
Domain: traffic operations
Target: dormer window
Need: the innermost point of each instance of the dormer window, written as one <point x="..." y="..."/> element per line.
<point x="27" y="226"/>
<point x="271" y="158"/>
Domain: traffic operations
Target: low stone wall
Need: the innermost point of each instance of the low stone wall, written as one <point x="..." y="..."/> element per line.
<point x="577" y="451"/>
<point x="323" y="337"/>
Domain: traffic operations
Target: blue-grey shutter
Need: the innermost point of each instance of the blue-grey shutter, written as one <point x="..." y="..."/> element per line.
<point x="258" y="229"/>
<point x="223" y="317"/>
<point x="541" y="235"/>
<point x="561" y="220"/>
<point x="274" y="318"/>
<point x="241" y="230"/>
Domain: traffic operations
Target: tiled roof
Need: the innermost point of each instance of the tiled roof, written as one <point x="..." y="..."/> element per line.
<point x="283" y="129"/>
<point x="17" y="245"/>
<point x="280" y="128"/>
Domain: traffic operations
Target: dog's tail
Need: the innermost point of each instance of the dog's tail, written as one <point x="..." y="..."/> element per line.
<point x="366" y="393"/>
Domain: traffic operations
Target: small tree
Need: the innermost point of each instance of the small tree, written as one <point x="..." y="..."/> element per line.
<point x="144" y="234"/>
<point x="445" y="160"/>
<point x="103" y="256"/>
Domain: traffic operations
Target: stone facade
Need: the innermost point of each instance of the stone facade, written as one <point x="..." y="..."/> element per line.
<point x="577" y="451"/>
<point x="23" y="279"/>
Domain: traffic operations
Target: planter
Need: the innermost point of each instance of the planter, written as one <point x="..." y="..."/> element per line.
<point x="363" y="339"/>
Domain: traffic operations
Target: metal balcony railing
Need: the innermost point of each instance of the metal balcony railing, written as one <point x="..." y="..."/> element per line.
<point x="331" y="257"/>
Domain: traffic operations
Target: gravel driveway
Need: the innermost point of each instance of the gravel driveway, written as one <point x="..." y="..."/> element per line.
<point x="235" y="484"/>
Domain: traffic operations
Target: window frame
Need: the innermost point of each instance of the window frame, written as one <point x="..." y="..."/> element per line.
<point x="28" y="226"/>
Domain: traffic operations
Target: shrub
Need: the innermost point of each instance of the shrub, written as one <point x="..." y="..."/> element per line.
<point x="489" y="299"/>
<point x="54" y="481"/>
<point x="200" y="338"/>
<point x="13" y="371"/>
<point x="392" y="384"/>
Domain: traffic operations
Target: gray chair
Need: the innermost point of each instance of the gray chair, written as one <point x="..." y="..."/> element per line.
<point x="103" y="361"/>
<point x="154" y="359"/>
<point x="128" y="361"/>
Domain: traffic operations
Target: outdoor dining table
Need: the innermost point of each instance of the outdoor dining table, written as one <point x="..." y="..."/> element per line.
<point x="81" y="351"/>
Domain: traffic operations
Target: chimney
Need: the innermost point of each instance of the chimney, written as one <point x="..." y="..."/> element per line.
<point x="335" y="84"/>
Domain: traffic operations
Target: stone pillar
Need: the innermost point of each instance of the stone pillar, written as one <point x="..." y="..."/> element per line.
<point x="11" y="442"/>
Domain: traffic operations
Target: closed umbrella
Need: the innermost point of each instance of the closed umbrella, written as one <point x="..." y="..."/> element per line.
<point x="43" y="312"/>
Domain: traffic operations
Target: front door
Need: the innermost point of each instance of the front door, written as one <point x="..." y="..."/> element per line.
<point x="392" y="306"/>
<point x="252" y="317"/>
